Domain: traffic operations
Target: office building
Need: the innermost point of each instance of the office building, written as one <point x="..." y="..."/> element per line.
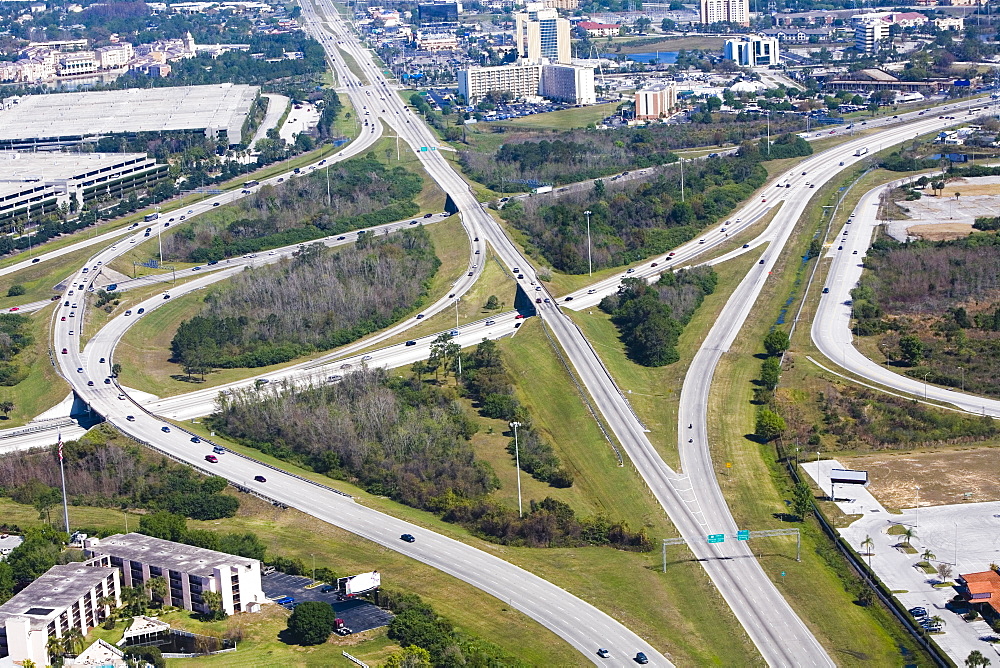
<point x="439" y="12"/>
<point x="35" y="184"/>
<point x="562" y="4"/>
<point x="540" y="33"/>
<point x="655" y="101"/>
<point x="555" y="81"/>
<point x="436" y="42"/>
<point x="725" y="11"/>
<point x="871" y="35"/>
<point x="65" y="597"/>
<point x="188" y="570"/>
<point x="753" y="51"/>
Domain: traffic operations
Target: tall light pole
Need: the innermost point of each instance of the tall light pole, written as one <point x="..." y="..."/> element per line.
<point x="925" y="383"/>
<point x="962" y="369"/>
<point x="517" y="463"/>
<point x="682" y="179"/>
<point x="916" y="511"/>
<point x="458" y="299"/>
<point x="590" y="263"/>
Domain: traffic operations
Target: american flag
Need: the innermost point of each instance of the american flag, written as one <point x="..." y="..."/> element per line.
<point x="60" y="446"/>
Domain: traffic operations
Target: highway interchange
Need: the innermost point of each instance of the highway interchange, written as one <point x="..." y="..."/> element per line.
<point x="692" y="499"/>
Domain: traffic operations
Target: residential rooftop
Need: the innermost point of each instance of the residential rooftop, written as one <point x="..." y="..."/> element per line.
<point x="52" y="593"/>
<point x="166" y="554"/>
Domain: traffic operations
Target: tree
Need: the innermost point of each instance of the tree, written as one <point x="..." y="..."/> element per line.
<point x="927" y="555"/>
<point x="157" y="588"/>
<point x="116" y="369"/>
<point x="770" y="373"/>
<point x="54" y="648"/>
<point x="944" y="570"/>
<point x="16" y="290"/>
<point x="165" y="525"/>
<point x="73" y="640"/>
<point x="911" y="349"/>
<point x="776" y="342"/>
<point x="213" y="601"/>
<point x="492" y="303"/>
<point x="312" y="622"/>
<point x="908" y="534"/>
<point x="134" y="601"/>
<point x="409" y="657"/>
<point x="802" y="500"/>
<point x="976" y="660"/>
<point x="6" y="407"/>
<point x="868" y="545"/>
<point x="768" y="425"/>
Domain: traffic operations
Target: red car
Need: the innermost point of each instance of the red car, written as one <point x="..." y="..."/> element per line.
<point x="14" y="308"/>
<point x="671" y="255"/>
<point x="212" y="458"/>
<point x="64" y="351"/>
<point x="516" y="317"/>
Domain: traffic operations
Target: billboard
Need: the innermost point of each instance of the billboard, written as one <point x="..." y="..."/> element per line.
<point x="359" y="584"/>
<point x="848" y="477"/>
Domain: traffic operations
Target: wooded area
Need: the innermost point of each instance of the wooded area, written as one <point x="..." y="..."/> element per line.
<point x="936" y="308"/>
<point x="320" y="299"/>
<point x="651" y="317"/>
<point x="346" y="196"/>
<point x="15" y="336"/>
<point x="634" y="219"/>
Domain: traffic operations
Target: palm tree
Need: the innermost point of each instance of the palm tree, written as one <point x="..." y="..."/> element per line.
<point x="869" y="546"/>
<point x="54" y="647"/>
<point x="73" y="640"/>
<point x="157" y="587"/>
<point x="909" y="534"/>
<point x="928" y="555"/>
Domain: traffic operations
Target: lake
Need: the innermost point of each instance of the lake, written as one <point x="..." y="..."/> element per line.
<point x="661" y="57"/>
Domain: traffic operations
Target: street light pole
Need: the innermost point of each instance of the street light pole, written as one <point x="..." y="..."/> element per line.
<point x="925" y="383"/>
<point x="962" y="369"/>
<point x="590" y="263"/>
<point x="517" y="463"/>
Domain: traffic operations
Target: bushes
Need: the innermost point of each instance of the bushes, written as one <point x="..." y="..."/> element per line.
<point x="312" y="622"/>
<point x="15" y="336"/>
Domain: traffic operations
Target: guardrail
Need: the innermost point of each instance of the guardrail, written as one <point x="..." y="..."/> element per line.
<point x="31" y="429"/>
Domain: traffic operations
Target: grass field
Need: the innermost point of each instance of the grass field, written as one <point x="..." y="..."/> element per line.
<point x="39" y="280"/>
<point x="352" y="65"/>
<point x="43" y="388"/>
<point x="565" y="119"/>
<point x="756" y="489"/>
<point x="706" y="43"/>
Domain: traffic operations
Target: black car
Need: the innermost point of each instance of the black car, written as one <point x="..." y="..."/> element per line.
<point x="411" y="343"/>
<point x="408" y="537"/>
<point x="195" y="439"/>
<point x="327" y="589"/>
<point x="260" y="478"/>
<point x="641" y="658"/>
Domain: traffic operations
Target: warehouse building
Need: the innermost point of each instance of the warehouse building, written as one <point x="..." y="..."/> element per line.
<point x="67" y="118"/>
<point x="188" y="570"/>
<point x="35" y="184"/>
<point x="67" y="596"/>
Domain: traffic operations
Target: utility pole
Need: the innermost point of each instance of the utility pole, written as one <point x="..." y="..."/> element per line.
<point x="517" y="462"/>
<point x="590" y="263"/>
<point x="682" y="179"/>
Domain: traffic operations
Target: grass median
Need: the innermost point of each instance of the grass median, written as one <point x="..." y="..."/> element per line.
<point x="42" y="388"/>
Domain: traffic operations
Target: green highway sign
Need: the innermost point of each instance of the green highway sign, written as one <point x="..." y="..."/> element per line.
<point x="743" y="534"/>
<point x="716" y="538"/>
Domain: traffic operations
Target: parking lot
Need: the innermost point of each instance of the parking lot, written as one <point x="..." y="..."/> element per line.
<point x="358" y="615"/>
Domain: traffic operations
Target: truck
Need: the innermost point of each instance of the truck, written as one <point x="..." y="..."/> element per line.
<point x="340" y="628"/>
<point x="150" y="216"/>
<point x="542" y="189"/>
<point x="861" y="151"/>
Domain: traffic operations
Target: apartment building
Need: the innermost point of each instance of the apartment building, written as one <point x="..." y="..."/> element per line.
<point x="540" y="33"/>
<point x="655" y="101"/>
<point x="189" y="571"/>
<point x="728" y="11"/>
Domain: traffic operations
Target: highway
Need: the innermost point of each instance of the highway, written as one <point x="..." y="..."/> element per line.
<point x="831" y="327"/>
<point x="693" y="500"/>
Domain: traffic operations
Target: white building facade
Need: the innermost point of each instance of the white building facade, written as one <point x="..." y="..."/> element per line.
<point x="540" y="33"/>
<point x="728" y="11"/>
<point x="753" y="51"/>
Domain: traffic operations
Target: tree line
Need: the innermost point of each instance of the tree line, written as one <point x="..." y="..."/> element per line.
<point x="320" y="299"/>
<point x="102" y="471"/>
<point x="346" y="196"/>
<point x="634" y="219"/>
<point x="15" y="336"/>
<point x="650" y="318"/>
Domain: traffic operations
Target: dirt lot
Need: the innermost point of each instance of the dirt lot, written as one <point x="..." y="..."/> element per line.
<point x="944" y="476"/>
<point x="940" y="231"/>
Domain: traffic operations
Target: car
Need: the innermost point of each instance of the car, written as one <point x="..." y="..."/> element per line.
<point x="702" y="241"/>
<point x="70" y="293"/>
<point x="641" y="658"/>
<point x="812" y="185"/>
<point x="491" y="322"/>
<point x="453" y="332"/>
<point x="326" y="589"/>
<point x="918" y="612"/>
<point x="166" y="296"/>
<point x="477" y="251"/>
<point x="64" y="351"/>
<point x="547" y="300"/>
<point x="516" y="270"/>
<point x="141" y="311"/>
<point x="855" y="252"/>
<point x="366" y="358"/>
<point x="519" y="316"/>
<point x="413" y="222"/>
<point x="840" y="248"/>
<point x="195" y="268"/>
<point x="803" y="173"/>
<point x="66" y="303"/>
<point x="746" y="245"/>
<point x="603" y="653"/>
<point x="212" y="458"/>
<point x="215" y="204"/>
<point x="520" y="276"/>
<point x="182" y="218"/>
<point x="761" y="262"/>
<point x="195" y="439"/>
<point x="79" y="369"/>
<point x="419" y="316"/>
<point x="841" y="163"/>
<point x="411" y="343"/>
<point x="260" y="478"/>
<point x="165" y="429"/>
<point x="671" y="254"/>
<point x="428" y="215"/>
<point x="408" y="537"/>
<point x="568" y="299"/>
<point x="63" y="319"/>
<point x="90" y="383"/>
<point x="826" y="291"/>
<point x="129" y="312"/>
<point x="107" y="381"/>
<point x="630" y="270"/>
<point x="71" y="332"/>
<point x="212" y="262"/>
<point x="130" y="418"/>
<point x="471" y="273"/>
<point x="346" y="366"/>
<point x="37" y="259"/>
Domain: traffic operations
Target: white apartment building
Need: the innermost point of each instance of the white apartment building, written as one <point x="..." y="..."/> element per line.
<point x="869" y="36"/>
<point x="112" y="57"/>
<point x="540" y="33"/>
<point x="188" y="570"/>
<point x="950" y="23"/>
<point x="79" y="62"/>
<point x="753" y="51"/>
<point x="731" y="11"/>
<point x="555" y="81"/>
<point x="568" y="83"/>
<point x="655" y="101"/>
<point x="64" y="597"/>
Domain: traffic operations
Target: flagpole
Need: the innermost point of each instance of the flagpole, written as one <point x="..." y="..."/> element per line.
<point x="62" y="473"/>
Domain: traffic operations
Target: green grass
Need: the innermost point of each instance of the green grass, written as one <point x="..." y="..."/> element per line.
<point x="565" y="119"/>
<point x="352" y="65"/>
<point x="756" y="489"/>
<point x="39" y="280"/>
<point x="43" y="388"/>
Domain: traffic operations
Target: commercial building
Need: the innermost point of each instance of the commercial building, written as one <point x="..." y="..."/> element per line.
<point x="555" y="81"/>
<point x="599" y="29"/>
<point x="982" y="590"/>
<point x="35" y="184"/>
<point x="872" y="79"/>
<point x="753" y="51"/>
<point x="65" y="118"/>
<point x="725" y="11"/>
<point x="563" y="4"/>
<point x="189" y="571"/>
<point x="79" y="62"/>
<point x="950" y="23"/>
<point x="540" y="33"/>
<point x="437" y="42"/>
<point x="655" y="101"/>
<point x="65" y="597"/>
<point x="439" y="12"/>
<point x="870" y="36"/>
